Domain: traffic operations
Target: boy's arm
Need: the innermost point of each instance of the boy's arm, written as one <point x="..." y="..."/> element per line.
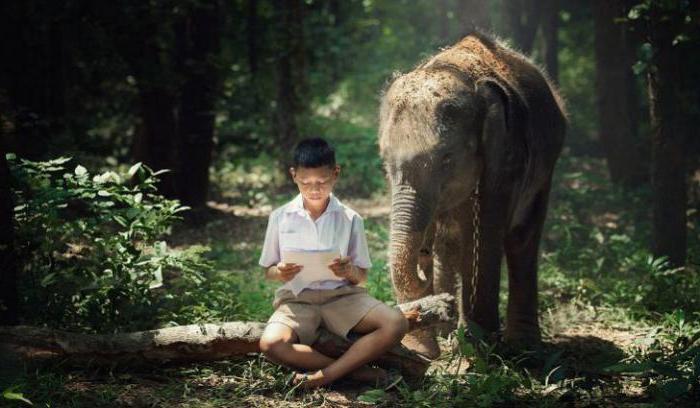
<point x="272" y="273"/>
<point x="282" y="272"/>
<point x="358" y="275"/>
<point x="344" y="268"/>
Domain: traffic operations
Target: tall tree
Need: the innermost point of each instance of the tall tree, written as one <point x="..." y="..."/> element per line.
<point x="444" y="32"/>
<point x="550" y="31"/>
<point x="666" y="77"/>
<point x="142" y="34"/>
<point x="472" y="14"/>
<point x="523" y="19"/>
<point x="616" y="94"/>
<point x="9" y="313"/>
<point x="290" y="75"/>
<point x="33" y="73"/>
<point x="198" y="36"/>
<point x="252" y="36"/>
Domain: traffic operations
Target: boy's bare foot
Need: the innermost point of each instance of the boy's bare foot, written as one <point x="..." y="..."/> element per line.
<point x="312" y="380"/>
<point x="369" y="374"/>
<point x="363" y="374"/>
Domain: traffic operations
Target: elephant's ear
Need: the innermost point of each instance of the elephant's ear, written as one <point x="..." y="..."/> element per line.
<point x="504" y="117"/>
<point x="501" y="101"/>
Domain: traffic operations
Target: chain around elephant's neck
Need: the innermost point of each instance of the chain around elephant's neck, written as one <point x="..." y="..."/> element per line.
<point x="475" y="245"/>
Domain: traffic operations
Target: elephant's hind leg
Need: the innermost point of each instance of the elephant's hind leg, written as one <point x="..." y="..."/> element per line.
<point x="522" y="247"/>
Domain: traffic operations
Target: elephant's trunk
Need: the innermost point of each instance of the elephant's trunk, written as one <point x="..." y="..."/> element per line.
<point x="410" y="215"/>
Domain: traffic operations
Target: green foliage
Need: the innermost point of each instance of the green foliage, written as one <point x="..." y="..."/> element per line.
<point x="10" y="394"/>
<point x="356" y="152"/>
<point x="669" y="356"/>
<point x="247" y="181"/>
<point x="90" y="245"/>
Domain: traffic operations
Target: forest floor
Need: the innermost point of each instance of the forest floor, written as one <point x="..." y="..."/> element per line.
<point x="589" y="322"/>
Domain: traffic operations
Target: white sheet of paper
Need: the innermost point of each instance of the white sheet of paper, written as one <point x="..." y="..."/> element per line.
<point x="315" y="266"/>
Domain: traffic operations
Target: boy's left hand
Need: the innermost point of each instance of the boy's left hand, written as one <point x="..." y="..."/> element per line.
<point x="341" y="267"/>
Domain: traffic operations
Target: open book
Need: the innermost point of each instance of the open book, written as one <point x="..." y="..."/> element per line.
<point x="315" y="266"/>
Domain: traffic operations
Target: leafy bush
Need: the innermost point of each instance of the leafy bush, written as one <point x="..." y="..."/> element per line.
<point x="668" y="357"/>
<point x="89" y="246"/>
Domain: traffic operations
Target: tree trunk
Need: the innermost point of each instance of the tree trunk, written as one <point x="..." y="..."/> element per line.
<point x="34" y="62"/>
<point x="201" y="32"/>
<point x="523" y="17"/>
<point x="550" y="30"/>
<point x="147" y="50"/>
<point x="291" y="71"/>
<point x="338" y="11"/>
<point x="473" y="14"/>
<point x="444" y="31"/>
<point x="252" y="37"/>
<point x="668" y="160"/>
<point x="201" y="342"/>
<point x="155" y="144"/>
<point x="615" y="88"/>
<point x="9" y="313"/>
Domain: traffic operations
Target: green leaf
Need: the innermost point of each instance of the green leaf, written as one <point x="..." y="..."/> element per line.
<point x="48" y="279"/>
<point x="372" y="396"/>
<point x="80" y="171"/>
<point x="133" y="169"/>
<point x="466" y="349"/>
<point x="104" y="193"/>
<point x="675" y="388"/>
<point x="138" y="197"/>
<point x="8" y="394"/>
<point x="159" y="172"/>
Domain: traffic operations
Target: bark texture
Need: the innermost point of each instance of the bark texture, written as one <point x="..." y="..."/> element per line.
<point x="616" y="96"/>
<point x="200" y="342"/>
<point x="8" y="261"/>
<point x="200" y="36"/>
<point x="668" y="161"/>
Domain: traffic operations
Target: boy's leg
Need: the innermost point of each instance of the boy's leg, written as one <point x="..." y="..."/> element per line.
<point x="385" y="326"/>
<point x="278" y="344"/>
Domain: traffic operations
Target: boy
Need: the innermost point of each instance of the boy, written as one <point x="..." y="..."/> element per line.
<point x="316" y="219"/>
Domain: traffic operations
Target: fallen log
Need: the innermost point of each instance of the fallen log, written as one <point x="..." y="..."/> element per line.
<point x="201" y="342"/>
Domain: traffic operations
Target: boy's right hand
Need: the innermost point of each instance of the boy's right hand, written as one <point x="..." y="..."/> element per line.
<point x="287" y="271"/>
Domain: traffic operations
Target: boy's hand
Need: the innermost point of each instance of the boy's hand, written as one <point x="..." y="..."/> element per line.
<point x="287" y="271"/>
<point x="341" y="267"/>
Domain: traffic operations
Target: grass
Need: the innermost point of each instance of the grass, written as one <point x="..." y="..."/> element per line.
<point x="620" y="328"/>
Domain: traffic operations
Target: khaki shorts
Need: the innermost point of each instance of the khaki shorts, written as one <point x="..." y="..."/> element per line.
<point x="337" y="310"/>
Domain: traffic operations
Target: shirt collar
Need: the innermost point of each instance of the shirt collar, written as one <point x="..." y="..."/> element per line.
<point x="297" y="204"/>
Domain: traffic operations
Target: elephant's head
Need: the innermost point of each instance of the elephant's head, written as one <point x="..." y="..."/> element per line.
<point x="436" y="126"/>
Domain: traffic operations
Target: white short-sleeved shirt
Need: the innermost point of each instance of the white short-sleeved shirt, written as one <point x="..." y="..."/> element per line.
<point x="339" y="227"/>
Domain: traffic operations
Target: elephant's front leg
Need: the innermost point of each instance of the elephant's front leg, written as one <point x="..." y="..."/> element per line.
<point x="522" y="247"/>
<point x="481" y="306"/>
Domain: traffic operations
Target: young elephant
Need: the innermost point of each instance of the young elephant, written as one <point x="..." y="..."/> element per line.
<point x="475" y="112"/>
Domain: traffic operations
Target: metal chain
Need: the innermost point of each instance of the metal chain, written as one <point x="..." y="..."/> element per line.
<point x="476" y="237"/>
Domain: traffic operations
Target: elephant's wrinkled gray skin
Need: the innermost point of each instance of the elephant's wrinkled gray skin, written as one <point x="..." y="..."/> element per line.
<point x="474" y="111"/>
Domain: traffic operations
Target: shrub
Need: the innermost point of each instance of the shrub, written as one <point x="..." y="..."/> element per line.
<point x="90" y="248"/>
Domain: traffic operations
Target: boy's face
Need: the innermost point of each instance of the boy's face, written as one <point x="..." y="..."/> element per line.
<point x="315" y="183"/>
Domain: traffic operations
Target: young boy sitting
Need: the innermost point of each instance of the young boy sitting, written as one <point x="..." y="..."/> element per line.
<point x="317" y="220"/>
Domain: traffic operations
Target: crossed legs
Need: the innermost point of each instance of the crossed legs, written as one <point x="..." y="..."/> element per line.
<point x="383" y="327"/>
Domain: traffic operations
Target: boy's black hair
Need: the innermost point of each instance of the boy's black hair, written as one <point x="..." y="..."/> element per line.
<point x="313" y="152"/>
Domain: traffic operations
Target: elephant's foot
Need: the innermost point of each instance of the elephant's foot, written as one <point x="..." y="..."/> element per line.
<point x="522" y="335"/>
<point x="422" y="342"/>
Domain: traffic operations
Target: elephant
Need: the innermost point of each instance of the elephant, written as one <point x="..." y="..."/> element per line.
<point x="475" y="114"/>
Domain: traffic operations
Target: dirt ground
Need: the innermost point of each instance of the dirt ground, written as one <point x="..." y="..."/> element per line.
<point x="585" y="343"/>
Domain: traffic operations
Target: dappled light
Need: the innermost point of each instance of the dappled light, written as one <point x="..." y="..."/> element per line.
<point x="543" y="174"/>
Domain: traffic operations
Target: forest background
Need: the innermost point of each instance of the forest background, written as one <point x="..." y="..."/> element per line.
<point x="96" y="99"/>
